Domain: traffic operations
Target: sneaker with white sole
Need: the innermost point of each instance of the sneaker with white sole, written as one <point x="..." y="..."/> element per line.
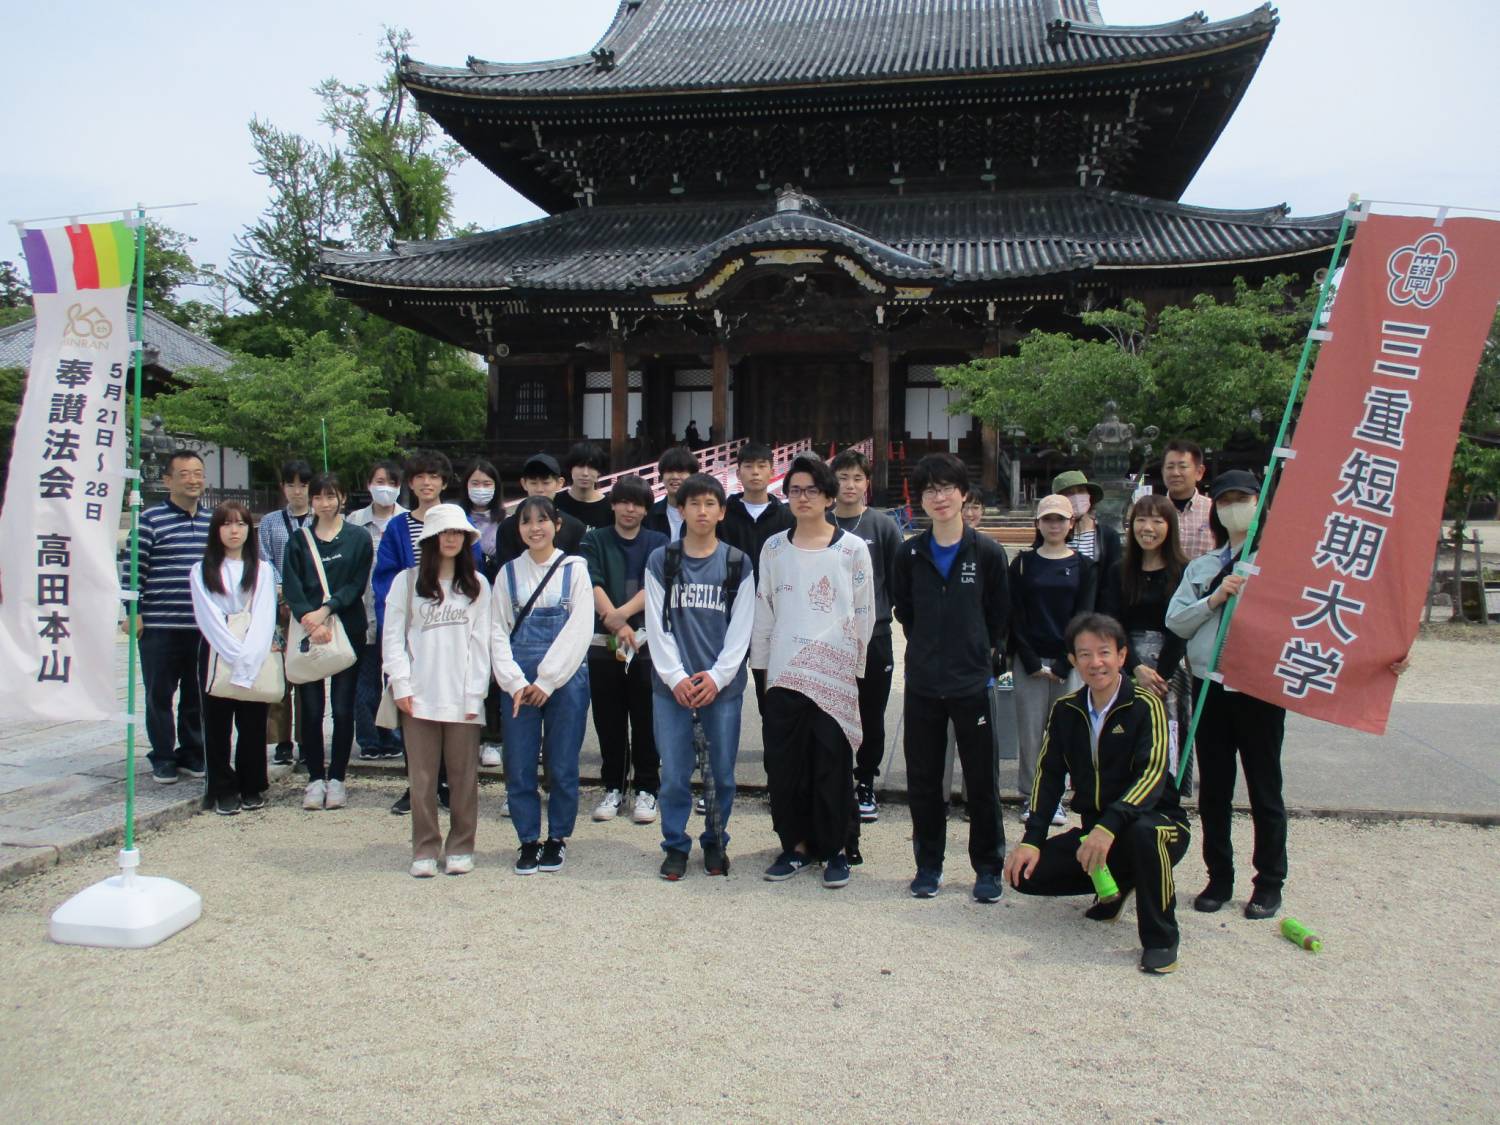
<point x="554" y="855"/>
<point x="869" y="808"/>
<point x="526" y="860"/>
<point x="489" y="755"/>
<point x="1060" y="817"/>
<point x="458" y="865"/>
<point x="505" y="806"/>
<point x="609" y="807"/>
<point x="645" y="808"/>
<point x="335" y="796"/>
<point x="1025" y="812"/>
<point x="423" y="868"/>
<point x="700" y="806"/>
<point x="314" y="795"/>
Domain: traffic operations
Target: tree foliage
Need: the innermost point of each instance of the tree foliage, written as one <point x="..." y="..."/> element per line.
<point x="1201" y="370"/>
<point x="1476" y="458"/>
<point x="272" y="407"/>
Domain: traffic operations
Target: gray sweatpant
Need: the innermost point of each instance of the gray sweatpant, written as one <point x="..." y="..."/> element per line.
<point x="1034" y="698"/>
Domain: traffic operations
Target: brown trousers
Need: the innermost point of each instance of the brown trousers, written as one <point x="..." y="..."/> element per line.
<point x="457" y="746"/>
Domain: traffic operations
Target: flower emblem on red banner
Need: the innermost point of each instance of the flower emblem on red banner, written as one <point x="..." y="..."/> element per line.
<point x="1419" y="272"/>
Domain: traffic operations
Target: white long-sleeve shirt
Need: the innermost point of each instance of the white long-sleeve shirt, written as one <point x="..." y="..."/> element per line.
<point x="814" y="615"/>
<point x="441" y="656"/>
<point x="569" y="648"/>
<point x="212" y="610"/>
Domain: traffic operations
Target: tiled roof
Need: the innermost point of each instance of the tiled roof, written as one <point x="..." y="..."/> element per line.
<point x="169" y="346"/>
<point x="685" y="45"/>
<point x="983" y="236"/>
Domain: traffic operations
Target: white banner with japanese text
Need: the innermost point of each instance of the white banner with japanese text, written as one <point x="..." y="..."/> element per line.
<point x="59" y="582"/>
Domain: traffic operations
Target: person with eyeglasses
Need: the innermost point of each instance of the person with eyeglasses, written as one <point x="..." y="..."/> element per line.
<point x="950" y="592"/>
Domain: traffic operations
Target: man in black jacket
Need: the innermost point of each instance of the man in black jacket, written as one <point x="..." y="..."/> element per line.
<point x="1114" y="741"/>
<point x="540" y="476"/>
<point x="950" y="591"/>
<point x="675" y="466"/>
<point x="752" y="517"/>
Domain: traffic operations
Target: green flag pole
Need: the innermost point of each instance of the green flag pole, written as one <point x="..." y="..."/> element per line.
<point x="324" y="421"/>
<point x="135" y="524"/>
<point x="1273" y="466"/>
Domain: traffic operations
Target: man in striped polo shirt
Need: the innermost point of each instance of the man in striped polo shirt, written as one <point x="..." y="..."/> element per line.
<point x="173" y="535"/>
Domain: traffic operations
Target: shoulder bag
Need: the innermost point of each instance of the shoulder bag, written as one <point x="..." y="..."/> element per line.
<point x="269" y="685"/>
<point x="307" y="662"/>
<point x="388" y="715"/>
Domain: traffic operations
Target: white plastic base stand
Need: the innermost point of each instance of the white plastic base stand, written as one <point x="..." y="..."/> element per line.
<point x="126" y="911"/>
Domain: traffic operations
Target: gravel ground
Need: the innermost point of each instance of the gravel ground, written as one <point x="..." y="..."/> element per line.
<point x="324" y="983"/>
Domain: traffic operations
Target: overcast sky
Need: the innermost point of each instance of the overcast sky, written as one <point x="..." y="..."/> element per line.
<point x="107" y="106"/>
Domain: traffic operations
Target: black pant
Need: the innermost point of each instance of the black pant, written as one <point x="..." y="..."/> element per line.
<point x="622" y="719"/>
<point x="1142" y="857"/>
<point x="1235" y="723"/>
<point x="245" y="776"/>
<point x="310" y="700"/>
<point x="874" y="693"/>
<point x="810" y="771"/>
<point x="169" y="662"/>
<point x="926" y="746"/>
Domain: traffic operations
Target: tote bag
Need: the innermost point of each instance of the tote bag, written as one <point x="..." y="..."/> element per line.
<point x="307" y="662"/>
<point x="269" y="685"/>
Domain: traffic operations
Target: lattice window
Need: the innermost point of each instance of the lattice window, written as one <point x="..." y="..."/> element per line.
<point x="922" y="375"/>
<point x="603" y="381"/>
<point x="531" y="401"/>
<point x="686" y="377"/>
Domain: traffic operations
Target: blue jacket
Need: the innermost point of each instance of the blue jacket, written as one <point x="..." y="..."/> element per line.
<point x="394" y="556"/>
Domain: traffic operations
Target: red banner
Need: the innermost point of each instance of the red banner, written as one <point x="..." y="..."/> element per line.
<point x="1344" y="564"/>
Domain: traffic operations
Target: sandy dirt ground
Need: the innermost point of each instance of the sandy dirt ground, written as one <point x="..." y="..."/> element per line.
<point x="324" y="983"/>
<point x="1453" y="664"/>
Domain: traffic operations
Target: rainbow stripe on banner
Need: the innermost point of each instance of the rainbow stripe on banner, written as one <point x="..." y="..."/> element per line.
<point x="87" y="256"/>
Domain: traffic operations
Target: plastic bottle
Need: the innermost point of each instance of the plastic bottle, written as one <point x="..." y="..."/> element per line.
<point x="1298" y="934"/>
<point x="1104" y="884"/>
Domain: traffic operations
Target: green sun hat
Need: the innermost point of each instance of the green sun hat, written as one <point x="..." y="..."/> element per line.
<point x="1072" y="479"/>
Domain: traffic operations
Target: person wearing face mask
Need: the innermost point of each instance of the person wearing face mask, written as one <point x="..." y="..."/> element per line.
<point x="483" y="504"/>
<point x="1091" y="539"/>
<point x="384" y="484"/>
<point x="1233" y="725"/>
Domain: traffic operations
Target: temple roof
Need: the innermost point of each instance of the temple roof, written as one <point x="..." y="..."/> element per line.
<point x="663" y="46"/>
<point x="947" y="239"/>
<point x="169" y="346"/>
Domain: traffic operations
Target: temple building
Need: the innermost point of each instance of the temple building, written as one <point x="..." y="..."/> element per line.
<point x="778" y="218"/>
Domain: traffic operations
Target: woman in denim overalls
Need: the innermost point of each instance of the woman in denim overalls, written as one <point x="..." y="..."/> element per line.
<point x="541" y="665"/>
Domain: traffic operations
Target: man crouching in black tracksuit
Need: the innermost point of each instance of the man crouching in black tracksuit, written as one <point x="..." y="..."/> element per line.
<point x="950" y="589"/>
<point x="1114" y="741"/>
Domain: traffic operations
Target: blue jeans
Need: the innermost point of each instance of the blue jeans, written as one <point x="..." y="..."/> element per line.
<point x="367" y="701"/>
<point x="673" y="725"/>
<point x="557" y="727"/>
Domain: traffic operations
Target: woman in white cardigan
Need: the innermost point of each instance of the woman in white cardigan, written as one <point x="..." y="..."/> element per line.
<point x="232" y="579"/>
<point x="436" y="653"/>
<point x="543" y="623"/>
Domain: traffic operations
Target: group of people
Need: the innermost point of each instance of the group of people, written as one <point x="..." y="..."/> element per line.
<point x="481" y="638"/>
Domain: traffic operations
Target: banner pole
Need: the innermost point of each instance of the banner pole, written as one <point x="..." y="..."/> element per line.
<point x="324" y="422"/>
<point x="1272" y="467"/>
<point x="135" y="529"/>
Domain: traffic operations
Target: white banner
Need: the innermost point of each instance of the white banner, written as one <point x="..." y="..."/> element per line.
<point x="59" y="586"/>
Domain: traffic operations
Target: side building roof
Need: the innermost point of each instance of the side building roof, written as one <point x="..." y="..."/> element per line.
<point x="169" y="346"/>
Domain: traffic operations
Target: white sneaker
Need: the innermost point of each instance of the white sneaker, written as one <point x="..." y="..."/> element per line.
<point x="645" y="808"/>
<point x="458" y="865"/>
<point x="489" y="755"/>
<point x="423" y="868"/>
<point x="313" y="795"/>
<point x="336" y="796"/>
<point x="1060" y="817"/>
<point x="505" y="806"/>
<point x="608" y="808"/>
<point x="1025" y="811"/>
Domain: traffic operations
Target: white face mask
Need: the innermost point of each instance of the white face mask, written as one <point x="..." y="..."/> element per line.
<point x="481" y="496"/>
<point x="1236" y="517"/>
<point x="1081" y="504"/>
<point x="384" y="494"/>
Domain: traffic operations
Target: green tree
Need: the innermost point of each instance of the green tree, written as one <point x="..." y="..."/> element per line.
<point x="1199" y="370"/>
<point x="1476" y="457"/>
<point x="271" y="407"/>
<point x="12" y="388"/>
<point x="15" y="296"/>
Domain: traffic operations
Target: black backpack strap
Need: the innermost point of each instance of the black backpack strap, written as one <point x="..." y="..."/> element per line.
<point x="734" y="574"/>
<point x="671" y="571"/>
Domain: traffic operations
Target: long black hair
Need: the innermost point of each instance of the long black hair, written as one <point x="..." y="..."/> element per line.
<point x="1131" y="574"/>
<point x="231" y="511"/>
<point x="465" y="577"/>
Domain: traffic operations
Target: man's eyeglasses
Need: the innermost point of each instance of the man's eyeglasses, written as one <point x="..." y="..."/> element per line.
<point x="811" y="492"/>
<point x="940" y="491"/>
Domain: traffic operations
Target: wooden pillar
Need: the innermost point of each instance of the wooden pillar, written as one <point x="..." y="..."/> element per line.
<point x="720" y="420"/>
<point x="989" y="437"/>
<point x="880" y="411"/>
<point x="619" y="404"/>
<point x="492" y="411"/>
<point x="573" y="382"/>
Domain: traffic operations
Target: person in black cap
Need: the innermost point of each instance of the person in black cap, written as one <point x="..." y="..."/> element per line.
<point x="1232" y="723"/>
<point x="540" y="476"/>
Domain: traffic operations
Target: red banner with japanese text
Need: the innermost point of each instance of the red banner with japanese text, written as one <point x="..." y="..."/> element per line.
<point x="1345" y="561"/>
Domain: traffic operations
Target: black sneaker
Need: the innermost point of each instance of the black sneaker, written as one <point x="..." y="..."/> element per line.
<point x="370" y="753"/>
<point x="554" y="854"/>
<point x="787" y="864"/>
<point x="253" y="802"/>
<point x="443" y="796"/>
<point x="700" y="806"/>
<point x="1159" y="962"/>
<point x="227" y="806"/>
<point x="1107" y="909"/>
<point x="674" y="865"/>
<point x="926" y="883"/>
<point x="715" y="862"/>
<point x="854" y="855"/>
<point x="836" y="872"/>
<point x="1211" y="899"/>
<point x="526" y="861"/>
<point x="864" y="796"/>
<point x="164" y="773"/>
<point x="282" y="756"/>
<point x="402" y="805"/>
<point x="1263" y="905"/>
<point x="190" y="769"/>
<point x="987" y="887"/>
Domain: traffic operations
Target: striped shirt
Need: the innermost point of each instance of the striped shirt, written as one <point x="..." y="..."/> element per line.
<point x="171" y="541"/>
<point x="1086" y="543"/>
<point x="276" y="528"/>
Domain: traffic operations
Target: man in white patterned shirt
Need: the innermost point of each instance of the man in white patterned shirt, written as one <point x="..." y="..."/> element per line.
<point x="1181" y="470"/>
